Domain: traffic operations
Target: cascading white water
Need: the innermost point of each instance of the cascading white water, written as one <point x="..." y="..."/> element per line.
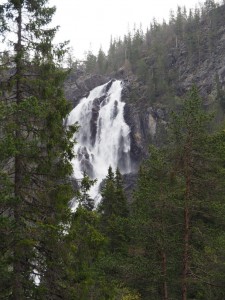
<point x="103" y="139"/>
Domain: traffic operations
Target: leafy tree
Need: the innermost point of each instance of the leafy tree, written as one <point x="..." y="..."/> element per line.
<point x="137" y="43"/>
<point x="112" y="55"/>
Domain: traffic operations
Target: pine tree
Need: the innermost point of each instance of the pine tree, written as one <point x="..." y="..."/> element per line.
<point x="86" y="244"/>
<point x="121" y="201"/>
<point x="181" y="185"/>
<point x="101" y="61"/>
<point x="114" y="211"/>
<point x="195" y="166"/>
<point x="91" y="63"/>
<point x="114" y="226"/>
<point x="35" y="149"/>
<point x="108" y="195"/>
<point x="83" y="196"/>
<point x="155" y="229"/>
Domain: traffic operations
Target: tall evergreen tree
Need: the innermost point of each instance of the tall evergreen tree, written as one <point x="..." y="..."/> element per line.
<point x="114" y="226"/>
<point x="155" y="227"/>
<point x="195" y="166"/>
<point x="101" y="61"/>
<point x="85" y="243"/>
<point x="114" y="211"/>
<point x="83" y="196"/>
<point x="35" y="149"/>
<point x="181" y="186"/>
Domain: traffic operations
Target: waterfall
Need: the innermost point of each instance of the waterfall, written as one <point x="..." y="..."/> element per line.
<point x="103" y="138"/>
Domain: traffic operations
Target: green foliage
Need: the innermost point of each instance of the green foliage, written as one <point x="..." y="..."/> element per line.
<point x="196" y="166"/>
<point x="220" y="93"/>
<point x="155" y="223"/>
<point x="173" y="236"/>
<point x="158" y="56"/>
<point x="175" y="219"/>
<point x="86" y="244"/>
<point x="83" y="195"/>
<point x="91" y="63"/>
<point x="102" y="62"/>
<point x="114" y="211"/>
<point x="35" y="154"/>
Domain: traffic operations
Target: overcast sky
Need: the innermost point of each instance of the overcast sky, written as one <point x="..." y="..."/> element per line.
<point x="88" y="24"/>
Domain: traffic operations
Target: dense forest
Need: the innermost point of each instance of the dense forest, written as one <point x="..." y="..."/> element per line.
<point x="160" y="56"/>
<point x="167" y="242"/>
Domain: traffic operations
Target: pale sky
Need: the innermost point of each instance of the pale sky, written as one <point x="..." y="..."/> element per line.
<point x="89" y="24"/>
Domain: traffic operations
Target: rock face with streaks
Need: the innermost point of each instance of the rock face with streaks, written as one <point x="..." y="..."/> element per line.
<point x="145" y="124"/>
<point x="148" y="118"/>
<point x="78" y="85"/>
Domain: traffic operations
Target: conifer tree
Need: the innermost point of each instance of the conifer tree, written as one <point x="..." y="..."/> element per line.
<point x="85" y="243"/>
<point x="181" y="186"/>
<point x="121" y="201"/>
<point x="101" y="61"/>
<point x="83" y="196"/>
<point x="35" y="149"/>
<point x="108" y="195"/>
<point x="195" y="166"/>
<point x="114" y="226"/>
<point x="155" y="228"/>
<point x="114" y="211"/>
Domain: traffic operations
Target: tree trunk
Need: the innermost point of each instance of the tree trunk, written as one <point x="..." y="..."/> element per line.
<point x="185" y="254"/>
<point x="164" y="273"/>
<point x="17" y="293"/>
<point x="186" y="223"/>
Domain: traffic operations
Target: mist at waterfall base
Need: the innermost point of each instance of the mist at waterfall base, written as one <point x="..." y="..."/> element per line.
<point x="103" y="138"/>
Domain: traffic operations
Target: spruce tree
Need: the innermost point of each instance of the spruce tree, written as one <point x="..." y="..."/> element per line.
<point x="85" y="243"/>
<point x="121" y="201"/>
<point x="82" y="197"/>
<point x="114" y="211"/>
<point x="195" y="167"/>
<point x="178" y="233"/>
<point x="114" y="226"/>
<point x="35" y="149"/>
<point x="155" y="229"/>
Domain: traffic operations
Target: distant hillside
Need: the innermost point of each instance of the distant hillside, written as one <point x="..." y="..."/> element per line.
<point x="170" y="57"/>
<point x="158" y="67"/>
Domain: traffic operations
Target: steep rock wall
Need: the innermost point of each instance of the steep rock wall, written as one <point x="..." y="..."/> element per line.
<point x="148" y="118"/>
<point x="147" y="125"/>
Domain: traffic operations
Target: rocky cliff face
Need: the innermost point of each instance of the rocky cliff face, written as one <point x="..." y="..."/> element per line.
<point x="79" y="84"/>
<point x="147" y="124"/>
<point x="148" y="119"/>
